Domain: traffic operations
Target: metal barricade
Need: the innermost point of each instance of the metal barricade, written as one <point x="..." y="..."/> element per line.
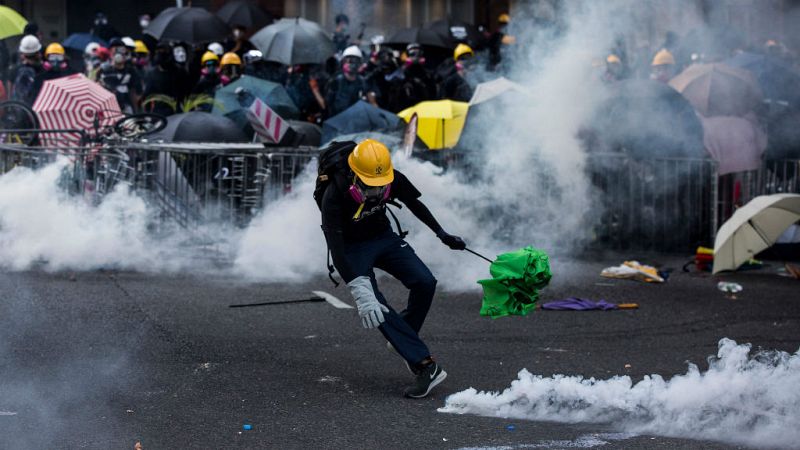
<point x="773" y="177"/>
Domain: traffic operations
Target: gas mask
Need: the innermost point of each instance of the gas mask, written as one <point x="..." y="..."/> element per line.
<point x="55" y="62"/>
<point x="351" y="65"/>
<point x="209" y="69"/>
<point x="368" y="196"/>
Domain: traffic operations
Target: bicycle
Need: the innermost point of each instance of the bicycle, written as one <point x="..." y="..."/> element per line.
<point x="20" y="121"/>
<point x="128" y="126"/>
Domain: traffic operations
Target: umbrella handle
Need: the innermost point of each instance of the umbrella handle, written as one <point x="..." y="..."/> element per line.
<point x="478" y="255"/>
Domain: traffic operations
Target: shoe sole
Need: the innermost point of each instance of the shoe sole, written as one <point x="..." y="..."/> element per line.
<point x="439" y="378"/>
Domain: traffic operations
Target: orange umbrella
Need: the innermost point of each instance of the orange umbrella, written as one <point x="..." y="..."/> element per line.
<point x="718" y="89"/>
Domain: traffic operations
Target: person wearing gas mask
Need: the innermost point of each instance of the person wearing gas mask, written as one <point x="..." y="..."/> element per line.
<point x="359" y="182"/>
<point x="349" y="86"/>
<point x="102" y="29"/>
<point x="25" y="74"/>
<point x="387" y="80"/>
<point x="662" y="69"/>
<point x="255" y="66"/>
<point x="239" y="43"/>
<point x="119" y="77"/>
<point x="141" y="57"/>
<point x="165" y="78"/>
<point x="210" y="77"/>
<point x="417" y="84"/>
<point x="455" y="86"/>
<point x="55" y="65"/>
<point x="230" y="68"/>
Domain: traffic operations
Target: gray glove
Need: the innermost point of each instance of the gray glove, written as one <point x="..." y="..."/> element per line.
<point x="369" y="308"/>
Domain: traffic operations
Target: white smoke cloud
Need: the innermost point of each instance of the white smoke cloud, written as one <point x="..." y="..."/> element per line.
<point x="740" y="399"/>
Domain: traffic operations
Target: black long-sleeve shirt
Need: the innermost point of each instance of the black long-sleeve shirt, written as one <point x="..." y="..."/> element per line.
<point x="340" y="227"/>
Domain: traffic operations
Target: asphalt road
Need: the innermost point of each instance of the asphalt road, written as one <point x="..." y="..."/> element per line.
<point x="105" y="359"/>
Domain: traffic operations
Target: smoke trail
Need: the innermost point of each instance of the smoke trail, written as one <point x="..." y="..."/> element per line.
<point x="740" y="399"/>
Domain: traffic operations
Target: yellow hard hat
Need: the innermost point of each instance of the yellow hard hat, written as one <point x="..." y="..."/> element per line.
<point x="663" y="57"/>
<point x="461" y="50"/>
<point x="230" y="58"/>
<point x="613" y="59"/>
<point x="372" y="163"/>
<point x="139" y="47"/>
<point x="54" y="49"/>
<point x="504" y="18"/>
<point x="209" y="56"/>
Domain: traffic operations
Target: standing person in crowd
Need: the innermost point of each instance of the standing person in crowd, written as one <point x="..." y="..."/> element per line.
<point x="341" y="38"/>
<point x="304" y="85"/>
<point x="255" y="66"/>
<point x="349" y="86"/>
<point x="230" y="67"/>
<point x="455" y="86"/>
<point x="239" y="43"/>
<point x="141" y="57"/>
<point x="498" y="40"/>
<point x="102" y="28"/>
<point x="614" y="69"/>
<point x="387" y="80"/>
<point x="417" y="84"/>
<point x="29" y="68"/>
<point x="165" y="78"/>
<point x="55" y="65"/>
<point x="662" y="69"/>
<point x="210" y="77"/>
<point x="119" y="77"/>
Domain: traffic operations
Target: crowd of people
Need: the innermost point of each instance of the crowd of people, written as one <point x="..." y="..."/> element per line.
<point x="143" y="72"/>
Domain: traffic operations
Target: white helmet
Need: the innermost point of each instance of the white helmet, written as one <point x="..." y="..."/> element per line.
<point x="253" y="55"/>
<point x="353" y="50"/>
<point x="29" y="44"/>
<point x="129" y="42"/>
<point x="216" y="48"/>
<point x="91" y="47"/>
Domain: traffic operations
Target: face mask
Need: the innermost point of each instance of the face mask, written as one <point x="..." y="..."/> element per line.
<point x="144" y="23"/>
<point x="237" y="34"/>
<point x="119" y="59"/>
<point x="180" y="55"/>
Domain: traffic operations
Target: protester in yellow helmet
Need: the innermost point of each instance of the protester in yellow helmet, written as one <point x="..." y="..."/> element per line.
<point x="455" y="85"/>
<point x="231" y="66"/>
<point x="55" y="65"/>
<point x="141" y="57"/>
<point x="210" y="77"/>
<point x="462" y="50"/>
<point x="499" y="40"/>
<point x="54" y="49"/>
<point x="663" y="66"/>
<point x="355" y="183"/>
<point x="614" y="69"/>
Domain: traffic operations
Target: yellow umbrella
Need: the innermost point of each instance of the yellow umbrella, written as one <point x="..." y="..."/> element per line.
<point x="11" y="23"/>
<point x="440" y="121"/>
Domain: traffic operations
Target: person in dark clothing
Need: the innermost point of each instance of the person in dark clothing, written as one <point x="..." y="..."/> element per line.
<point x="165" y="78"/>
<point x="387" y="81"/>
<point x="121" y="78"/>
<point x="25" y="74"/>
<point x="417" y="84"/>
<point x="341" y="40"/>
<point x="498" y="40"/>
<point x="210" y="78"/>
<point x="455" y="86"/>
<point x="348" y="87"/>
<point x="255" y="66"/>
<point x="360" y="239"/>
<point x="103" y="29"/>
<point x="238" y="43"/>
<point x="55" y="65"/>
<point x="304" y="84"/>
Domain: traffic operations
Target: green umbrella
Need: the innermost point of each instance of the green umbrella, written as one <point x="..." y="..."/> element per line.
<point x="234" y="98"/>
<point x="516" y="280"/>
<point x="11" y="23"/>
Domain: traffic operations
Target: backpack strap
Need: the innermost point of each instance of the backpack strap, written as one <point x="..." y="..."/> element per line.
<point x="400" y="230"/>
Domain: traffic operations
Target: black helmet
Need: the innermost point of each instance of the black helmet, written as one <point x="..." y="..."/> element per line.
<point x="116" y="42"/>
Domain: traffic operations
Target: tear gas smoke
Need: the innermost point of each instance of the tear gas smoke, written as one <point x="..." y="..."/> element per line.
<point x="740" y="399"/>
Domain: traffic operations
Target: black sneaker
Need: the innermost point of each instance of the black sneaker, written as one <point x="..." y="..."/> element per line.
<point x="427" y="379"/>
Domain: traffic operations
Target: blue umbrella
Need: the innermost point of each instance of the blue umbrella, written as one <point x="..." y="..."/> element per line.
<point x="360" y="117"/>
<point x="79" y="41"/>
<point x="232" y="99"/>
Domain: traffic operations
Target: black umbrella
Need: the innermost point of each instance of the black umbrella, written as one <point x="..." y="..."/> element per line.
<point x="649" y="119"/>
<point x="199" y="127"/>
<point x="777" y="80"/>
<point x="294" y="41"/>
<point x="455" y="30"/>
<point x="194" y="25"/>
<point x="422" y="36"/>
<point x="301" y="133"/>
<point x="362" y="116"/>
<point x="245" y="14"/>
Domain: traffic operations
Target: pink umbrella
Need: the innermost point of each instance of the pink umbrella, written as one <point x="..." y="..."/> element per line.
<point x="73" y="102"/>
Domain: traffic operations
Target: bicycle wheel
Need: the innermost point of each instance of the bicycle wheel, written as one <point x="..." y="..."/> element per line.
<point x="18" y="116"/>
<point x="135" y="125"/>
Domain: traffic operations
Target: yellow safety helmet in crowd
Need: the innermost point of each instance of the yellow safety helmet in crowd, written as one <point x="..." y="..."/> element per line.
<point x="139" y="47"/>
<point x="461" y="50"/>
<point x="230" y="58"/>
<point x="663" y="57"/>
<point x="372" y="163"/>
<point x="613" y="59"/>
<point x="54" y="49"/>
<point x="209" y="56"/>
<point x="504" y="18"/>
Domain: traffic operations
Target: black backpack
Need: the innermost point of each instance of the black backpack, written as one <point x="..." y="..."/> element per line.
<point x="332" y="167"/>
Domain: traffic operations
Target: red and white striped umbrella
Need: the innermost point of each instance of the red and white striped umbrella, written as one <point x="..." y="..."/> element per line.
<point x="72" y="102"/>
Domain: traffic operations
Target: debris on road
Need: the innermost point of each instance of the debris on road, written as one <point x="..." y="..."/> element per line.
<point x="582" y="304"/>
<point x="247" y="427"/>
<point x="516" y="280"/>
<point x="138" y="446"/>
<point x="730" y="288"/>
<point x="633" y="270"/>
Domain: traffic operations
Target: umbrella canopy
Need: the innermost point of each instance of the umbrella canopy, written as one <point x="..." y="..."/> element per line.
<point x="516" y="280"/>
<point x="79" y="41"/>
<point x="231" y="104"/>
<point x="737" y="144"/>
<point x="361" y="116"/>
<point x="776" y="79"/>
<point x="390" y="141"/>
<point x="454" y="30"/>
<point x="11" y="23"/>
<point x="753" y="228"/>
<point x="440" y="121"/>
<point x="198" y="126"/>
<point x="244" y="13"/>
<point x="194" y="25"/>
<point x="422" y="36"/>
<point x="491" y="89"/>
<point x="72" y="102"/>
<point x="718" y="89"/>
<point x="294" y="41"/>
<point x="302" y="133"/>
<point x="648" y="119"/>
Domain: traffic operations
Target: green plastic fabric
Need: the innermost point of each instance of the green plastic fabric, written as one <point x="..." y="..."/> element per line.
<point x="516" y="280"/>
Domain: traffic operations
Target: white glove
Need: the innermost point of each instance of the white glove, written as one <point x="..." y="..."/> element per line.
<point x="369" y="308"/>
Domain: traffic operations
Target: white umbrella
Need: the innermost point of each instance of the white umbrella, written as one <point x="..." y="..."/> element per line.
<point x="491" y="89"/>
<point x="753" y="228"/>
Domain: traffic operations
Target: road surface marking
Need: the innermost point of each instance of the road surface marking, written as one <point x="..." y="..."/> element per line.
<point x="335" y="302"/>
